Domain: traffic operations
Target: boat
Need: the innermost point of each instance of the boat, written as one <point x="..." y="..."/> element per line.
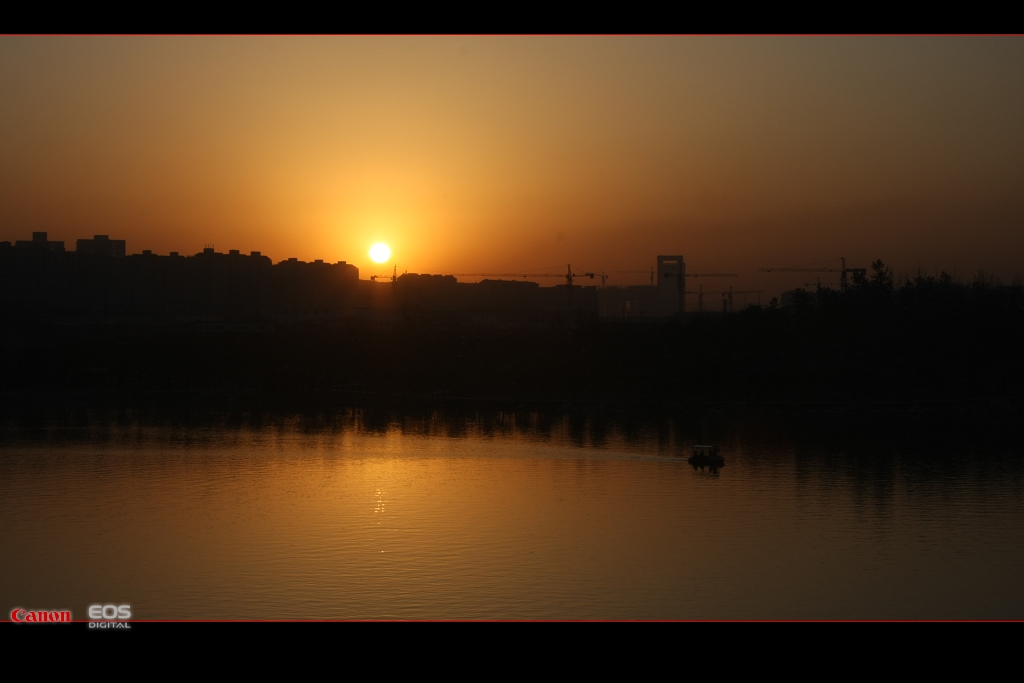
<point x="705" y="455"/>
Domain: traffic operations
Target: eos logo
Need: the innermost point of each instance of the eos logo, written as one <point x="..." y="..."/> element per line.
<point x="110" y="616"/>
<point x="110" y="612"/>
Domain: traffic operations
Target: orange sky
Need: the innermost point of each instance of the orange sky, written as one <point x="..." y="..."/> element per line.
<point x="521" y="153"/>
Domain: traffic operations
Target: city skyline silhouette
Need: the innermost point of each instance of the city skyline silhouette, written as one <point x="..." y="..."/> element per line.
<point x="506" y="154"/>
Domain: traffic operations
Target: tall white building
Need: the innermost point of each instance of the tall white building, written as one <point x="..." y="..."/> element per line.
<point x="671" y="285"/>
<point x="663" y="298"/>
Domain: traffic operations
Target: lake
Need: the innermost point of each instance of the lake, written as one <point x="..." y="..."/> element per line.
<point x="510" y="516"/>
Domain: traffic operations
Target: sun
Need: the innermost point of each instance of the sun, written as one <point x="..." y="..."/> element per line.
<point x="380" y="252"/>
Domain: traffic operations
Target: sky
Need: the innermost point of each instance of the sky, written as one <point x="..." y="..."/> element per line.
<point x="513" y="153"/>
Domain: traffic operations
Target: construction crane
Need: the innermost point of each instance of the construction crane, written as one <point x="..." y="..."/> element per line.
<point x="843" y="270"/>
<point x="681" y="286"/>
<point x="700" y="298"/>
<point x="634" y="272"/>
<point x="394" y="276"/>
<point x="651" y="272"/>
<point x="727" y="298"/>
<point x="568" y="275"/>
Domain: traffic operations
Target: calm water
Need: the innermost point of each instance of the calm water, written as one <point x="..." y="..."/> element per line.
<point x="459" y="519"/>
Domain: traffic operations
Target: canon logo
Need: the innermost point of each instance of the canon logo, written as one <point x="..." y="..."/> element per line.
<point x="110" y="612"/>
<point x="40" y="616"/>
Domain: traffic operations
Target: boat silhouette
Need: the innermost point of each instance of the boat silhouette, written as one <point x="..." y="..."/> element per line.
<point x="706" y="456"/>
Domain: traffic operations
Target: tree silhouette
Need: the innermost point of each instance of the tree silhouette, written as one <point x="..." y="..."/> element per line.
<point x="881" y="276"/>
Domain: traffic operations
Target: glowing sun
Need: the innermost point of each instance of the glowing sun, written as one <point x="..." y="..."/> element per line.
<point x="380" y="252"/>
